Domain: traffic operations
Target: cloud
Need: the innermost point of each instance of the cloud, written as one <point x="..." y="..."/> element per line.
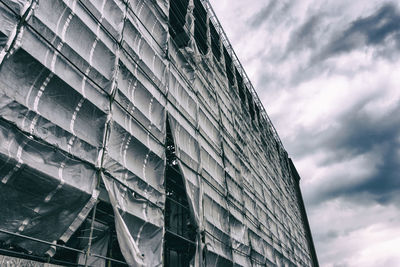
<point x="304" y="37"/>
<point x="263" y="15"/>
<point x="360" y="155"/>
<point x="356" y="156"/>
<point x="360" y="134"/>
<point x="348" y="234"/>
<point x="270" y="14"/>
<point x="373" y="30"/>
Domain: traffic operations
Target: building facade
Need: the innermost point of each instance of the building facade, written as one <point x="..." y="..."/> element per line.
<point x="131" y="135"/>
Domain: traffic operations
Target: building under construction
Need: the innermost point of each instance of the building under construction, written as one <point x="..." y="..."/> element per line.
<point x="131" y="135"/>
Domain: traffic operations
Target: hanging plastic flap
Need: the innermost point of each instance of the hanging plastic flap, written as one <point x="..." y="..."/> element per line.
<point x="138" y="223"/>
<point x="44" y="193"/>
<point x="99" y="243"/>
<point x="192" y="191"/>
<point x="75" y="61"/>
<point x="185" y="145"/>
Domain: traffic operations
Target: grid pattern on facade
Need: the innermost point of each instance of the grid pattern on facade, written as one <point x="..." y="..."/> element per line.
<point x="89" y="91"/>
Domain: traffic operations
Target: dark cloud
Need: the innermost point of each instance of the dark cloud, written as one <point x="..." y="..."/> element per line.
<point x="381" y="30"/>
<point x="273" y="13"/>
<point x="361" y="134"/>
<point x="357" y="134"/>
<point x="304" y="36"/>
<point x="372" y="31"/>
<point x="326" y="236"/>
<point x="261" y="16"/>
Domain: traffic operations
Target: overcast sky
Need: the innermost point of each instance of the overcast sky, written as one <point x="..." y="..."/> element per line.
<point x="328" y="74"/>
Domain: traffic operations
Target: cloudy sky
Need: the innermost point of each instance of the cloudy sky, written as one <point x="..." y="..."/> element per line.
<point x="328" y="73"/>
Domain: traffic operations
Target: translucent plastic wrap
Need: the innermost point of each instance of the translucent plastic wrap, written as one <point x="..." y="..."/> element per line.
<point x="86" y="90"/>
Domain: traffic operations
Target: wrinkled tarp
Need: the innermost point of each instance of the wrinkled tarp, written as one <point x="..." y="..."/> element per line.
<point x="85" y="89"/>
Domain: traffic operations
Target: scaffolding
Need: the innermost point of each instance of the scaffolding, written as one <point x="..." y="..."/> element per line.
<point x="132" y="136"/>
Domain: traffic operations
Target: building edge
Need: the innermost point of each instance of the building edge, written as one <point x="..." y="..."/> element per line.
<point x="304" y="214"/>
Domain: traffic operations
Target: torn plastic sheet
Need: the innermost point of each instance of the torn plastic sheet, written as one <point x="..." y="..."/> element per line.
<point x="181" y="65"/>
<point x="194" y="195"/>
<point x="191" y="179"/>
<point x="99" y="243"/>
<point x="190" y="50"/>
<point x="58" y="178"/>
<point x="139" y="225"/>
<point x="103" y="66"/>
<point x="41" y="188"/>
<point x="193" y="191"/>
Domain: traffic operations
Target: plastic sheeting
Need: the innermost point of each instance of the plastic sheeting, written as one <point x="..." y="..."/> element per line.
<point x="99" y="244"/>
<point x="44" y="185"/>
<point x="80" y="96"/>
<point x="238" y="166"/>
<point x="85" y="89"/>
